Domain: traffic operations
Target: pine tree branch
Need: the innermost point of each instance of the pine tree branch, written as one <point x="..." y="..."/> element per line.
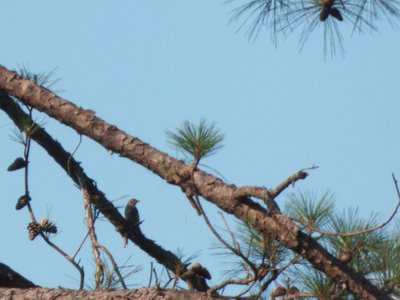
<point x="176" y="172"/>
<point x="77" y="174"/>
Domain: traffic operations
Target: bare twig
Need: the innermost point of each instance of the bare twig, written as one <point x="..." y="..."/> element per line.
<point x="299" y="296"/>
<point x="113" y="263"/>
<point x="251" y="280"/>
<point x="268" y="196"/>
<point x="67" y="257"/>
<point x="235" y="243"/>
<point x="233" y="250"/>
<point x="93" y="237"/>
<point x="151" y="274"/>
<point x="276" y="274"/>
<point x="291" y="181"/>
<point x="72" y="155"/>
<point x="94" y="241"/>
<point x="81" y="244"/>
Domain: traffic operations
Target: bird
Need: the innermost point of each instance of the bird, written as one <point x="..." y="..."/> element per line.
<point x="132" y="216"/>
<point x="131" y="212"/>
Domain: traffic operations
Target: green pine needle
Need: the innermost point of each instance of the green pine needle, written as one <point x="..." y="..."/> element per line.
<point x="196" y="140"/>
<point x="43" y="79"/>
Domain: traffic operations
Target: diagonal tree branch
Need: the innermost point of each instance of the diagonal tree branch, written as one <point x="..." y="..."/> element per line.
<point x="75" y="171"/>
<point x="176" y="172"/>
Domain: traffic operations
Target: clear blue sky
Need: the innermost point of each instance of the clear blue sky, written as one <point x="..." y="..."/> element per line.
<point x="146" y="66"/>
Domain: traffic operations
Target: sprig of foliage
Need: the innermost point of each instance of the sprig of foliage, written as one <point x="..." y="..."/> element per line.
<point x="311" y="209"/>
<point x="110" y="280"/>
<point x="44" y="79"/>
<point x="196" y="140"/>
<point x="385" y="263"/>
<point x="283" y="17"/>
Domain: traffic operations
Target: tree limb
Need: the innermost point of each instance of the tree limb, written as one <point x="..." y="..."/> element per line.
<point x="176" y="172"/>
<point x="77" y="174"/>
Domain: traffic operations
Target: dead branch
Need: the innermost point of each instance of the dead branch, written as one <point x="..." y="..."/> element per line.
<point x="291" y="181"/>
<point x="93" y="237"/>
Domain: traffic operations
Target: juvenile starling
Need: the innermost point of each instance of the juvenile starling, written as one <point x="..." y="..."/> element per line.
<point x="131" y="212"/>
<point x="132" y="216"/>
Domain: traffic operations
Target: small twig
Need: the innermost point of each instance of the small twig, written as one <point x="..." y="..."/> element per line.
<point x="291" y="181"/>
<point x="69" y="258"/>
<point x="156" y="277"/>
<point x="223" y="284"/>
<point x="235" y="243"/>
<point x="170" y="278"/>
<point x="93" y="236"/>
<point x="95" y="244"/>
<point x="81" y="244"/>
<point x="364" y="231"/>
<point x="298" y="296"/>
<point x="275" y="275"/>
<point x="113" y="263"/>
<point x="151" y="274"/>
<point x="238" y="253"/>
<point x="72" y="155"/>
<point x="251" y="285"/>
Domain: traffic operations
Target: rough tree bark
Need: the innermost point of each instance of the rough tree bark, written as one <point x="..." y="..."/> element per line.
<point x="11" y="279"/>
<point x="66" y="294"/>
<point x="177" y="173"/>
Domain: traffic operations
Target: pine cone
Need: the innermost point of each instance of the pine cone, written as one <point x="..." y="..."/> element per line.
<point x="34" y="229"/>
<point x="336" y="14"/>
<point x="324" y="14"/>
<point x="22" y="201"/>
<point x="18" y="163"/>
<point x="48" y="226"/>
<point x="293" y="290"/>
<point x="279" y="291"/>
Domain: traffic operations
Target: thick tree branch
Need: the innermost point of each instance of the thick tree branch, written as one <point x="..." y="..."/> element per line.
<point x="177" y="173"/>
<point x="140" y="294"/>
<point x="75" y="171"/>
<point x="11" y="279"/>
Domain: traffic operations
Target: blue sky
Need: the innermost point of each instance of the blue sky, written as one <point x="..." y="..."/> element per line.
<point x="146" y="66"/>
